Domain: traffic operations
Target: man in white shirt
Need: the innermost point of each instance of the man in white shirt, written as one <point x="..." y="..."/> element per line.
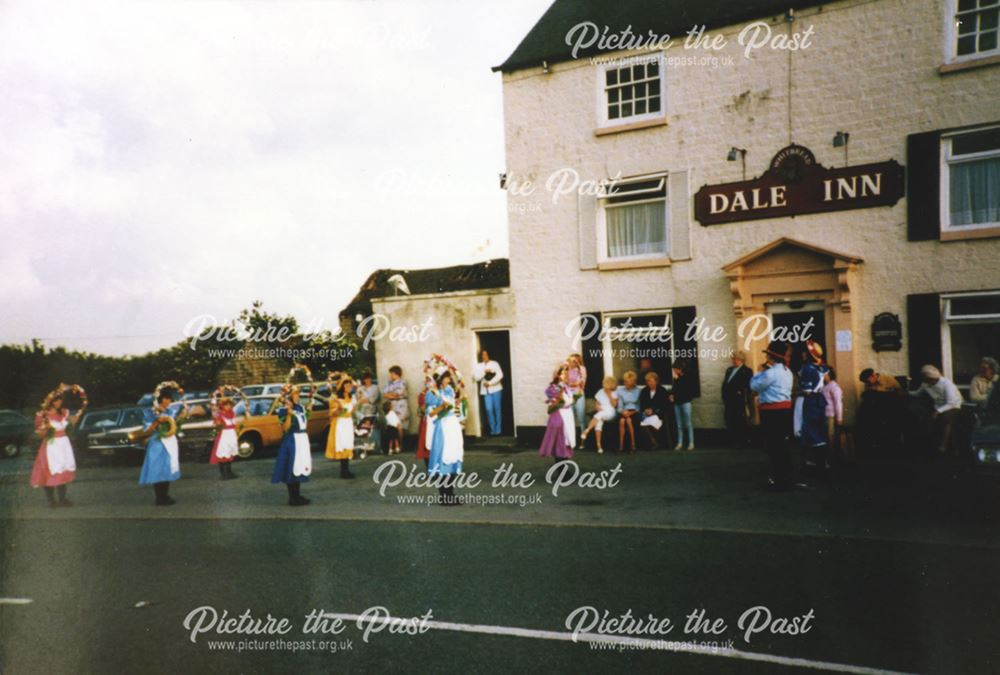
<point x="947" y="401"/>
<point x="489" y="375"/>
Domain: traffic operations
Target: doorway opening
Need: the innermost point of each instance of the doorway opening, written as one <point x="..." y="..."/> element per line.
<point x="799" y="321"/>
<point x="497" y="344"/>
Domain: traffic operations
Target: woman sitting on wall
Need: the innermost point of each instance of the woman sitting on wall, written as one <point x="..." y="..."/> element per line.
<point x="606" y="402"/>
<point x="654" y="409"/>
<point x="628" y="407"/>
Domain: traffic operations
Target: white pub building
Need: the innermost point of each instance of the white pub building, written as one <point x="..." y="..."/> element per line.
<point x="750" y="165"/>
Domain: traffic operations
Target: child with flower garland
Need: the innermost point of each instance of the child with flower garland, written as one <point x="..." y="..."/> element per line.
<point x="161" y="465"/>
<point x="55" y="464"/>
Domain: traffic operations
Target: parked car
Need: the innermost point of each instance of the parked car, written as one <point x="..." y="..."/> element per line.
<point x="108" y="432"/>
<point x="105" y="431"/>
<point x="16" y="432"/>
<point x="262" y="389"/>
<point x="260" y="427"/>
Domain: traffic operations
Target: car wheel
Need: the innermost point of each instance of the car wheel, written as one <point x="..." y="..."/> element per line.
<point x="11" y="449"/>
<point x="249" y="444"/>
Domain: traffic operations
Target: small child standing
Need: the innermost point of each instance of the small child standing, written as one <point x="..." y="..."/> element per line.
<point x="834" y="397"/>
<point x="392" y="425"/>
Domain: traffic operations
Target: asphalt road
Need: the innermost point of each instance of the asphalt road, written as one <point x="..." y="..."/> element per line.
<point x="898" y="567"/>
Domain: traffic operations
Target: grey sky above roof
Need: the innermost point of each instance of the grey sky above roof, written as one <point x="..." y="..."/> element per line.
<point x="546" y="41"/>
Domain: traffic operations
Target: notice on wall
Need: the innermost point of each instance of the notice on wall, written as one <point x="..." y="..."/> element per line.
<point x="844" y="341"/>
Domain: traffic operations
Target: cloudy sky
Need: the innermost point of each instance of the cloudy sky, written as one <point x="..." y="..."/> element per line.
<point x="163" y="160"/>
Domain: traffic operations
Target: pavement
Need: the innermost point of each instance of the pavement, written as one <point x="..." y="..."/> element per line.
<point x="896" y="561"/>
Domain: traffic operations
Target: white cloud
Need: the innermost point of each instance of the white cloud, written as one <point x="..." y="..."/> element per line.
<point x="169" y="159"/>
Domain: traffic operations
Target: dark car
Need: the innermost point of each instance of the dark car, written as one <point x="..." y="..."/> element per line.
<point x="195" y="435"/>
<point x="105" y="431"/>
<point x="16" y="432"/>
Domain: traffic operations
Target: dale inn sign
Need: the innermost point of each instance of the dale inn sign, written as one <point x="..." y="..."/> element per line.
<point x="795" y="184"/>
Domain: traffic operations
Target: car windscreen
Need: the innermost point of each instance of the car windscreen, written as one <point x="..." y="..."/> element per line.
<point x="260" y="406"/>
<point x="132" y="418"/>
<point x="103" y="419"/>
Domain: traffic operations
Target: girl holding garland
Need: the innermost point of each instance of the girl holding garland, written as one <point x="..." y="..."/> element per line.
<point x="55" y="465"/>
<point x="226" y="445"/>
<point x="447" y="444"/>
<point x="560" y="430"/>
<point x="161" y="465"/>
<point x="294" y="461"/>
<point x="340" y="440"/>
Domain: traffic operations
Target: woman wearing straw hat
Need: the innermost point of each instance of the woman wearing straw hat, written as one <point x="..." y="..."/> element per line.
<point x="810" y="407"/>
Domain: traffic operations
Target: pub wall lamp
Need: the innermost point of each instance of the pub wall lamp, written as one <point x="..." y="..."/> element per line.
<point x="735" y="152"/>
<point x="840" y="140"/>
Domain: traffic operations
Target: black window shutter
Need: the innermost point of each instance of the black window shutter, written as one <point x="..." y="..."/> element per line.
<point x="923" y="331"/>
<point x="923" y="186"/>
<point x="688" y="349"/>
<point x="593" y="353"/>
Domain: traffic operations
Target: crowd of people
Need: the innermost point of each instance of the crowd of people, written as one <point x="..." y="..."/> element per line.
<point x="642" y="413"/>
<point x="805" y="403"/>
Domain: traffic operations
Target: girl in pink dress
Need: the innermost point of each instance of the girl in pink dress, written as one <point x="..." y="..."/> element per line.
<point x="226" y="445"/>
<point x="55" y="465"/>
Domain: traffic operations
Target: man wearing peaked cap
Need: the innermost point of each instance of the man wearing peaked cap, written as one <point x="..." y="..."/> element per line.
<point x="773" y="385"/>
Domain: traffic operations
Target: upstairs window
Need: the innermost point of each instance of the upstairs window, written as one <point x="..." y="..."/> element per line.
<point x="976" y="27"/>
<point x="633" y="219"/>
<point x="971" y="181"/>
<point x="633" y="91"/>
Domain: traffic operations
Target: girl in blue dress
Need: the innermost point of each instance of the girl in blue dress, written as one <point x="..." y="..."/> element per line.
<point x="161" y="465"/>
<point x="447" y="443"/>
<point x="294" y="461"/>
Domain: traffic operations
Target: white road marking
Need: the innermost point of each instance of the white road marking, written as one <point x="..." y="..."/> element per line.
<point x="626" y="641"/>
<point x="15" y="601"/>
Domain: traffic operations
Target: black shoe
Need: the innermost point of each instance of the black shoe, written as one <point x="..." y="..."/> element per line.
<point x="166" y="501"/>
<point x="299" y="501"/>
<point x="347" y="474"/>
<point x="65" y="502"/>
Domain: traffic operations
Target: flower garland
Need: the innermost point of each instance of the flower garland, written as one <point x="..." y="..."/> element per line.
<point x="59" y="392"/>
<point x="215" y="401"/>
<point x="172" y="424"/>
<point x="433" y="364"/>
<point x="42" y="416"/>
<point x="299" y="368"/>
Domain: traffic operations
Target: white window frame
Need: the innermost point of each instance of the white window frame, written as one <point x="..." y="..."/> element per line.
<point x="607" y="317"/>
<point x="946" y="163"/>
<point x="602" y="222"/>
<point x="603" y="121"/>
<point x="947" y="320"/>
<point x="951" y="38"/>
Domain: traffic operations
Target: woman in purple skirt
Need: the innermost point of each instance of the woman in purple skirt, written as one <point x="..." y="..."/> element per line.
<point x="560" y="431"/>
